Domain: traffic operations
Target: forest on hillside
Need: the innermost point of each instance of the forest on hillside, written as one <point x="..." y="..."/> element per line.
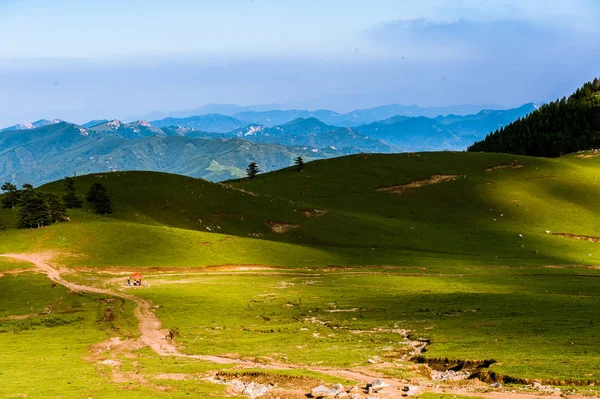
<point x="563" y="126"/>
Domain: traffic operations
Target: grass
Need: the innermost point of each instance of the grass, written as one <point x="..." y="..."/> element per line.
<point x="534" y="326"/>
<point x="187" y="220"/>
<point x="467" y="264"/>
<point x="56" y="345"/>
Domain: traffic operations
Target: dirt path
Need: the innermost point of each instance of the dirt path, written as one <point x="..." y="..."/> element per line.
<point x="153" y="335"/>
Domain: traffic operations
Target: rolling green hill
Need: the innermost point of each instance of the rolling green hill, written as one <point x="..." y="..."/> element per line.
<point x="484" y="256"/>
<point x="343" y="211"/>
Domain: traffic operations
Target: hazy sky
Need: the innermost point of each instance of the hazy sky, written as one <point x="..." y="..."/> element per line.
<point x="80" y="60"/>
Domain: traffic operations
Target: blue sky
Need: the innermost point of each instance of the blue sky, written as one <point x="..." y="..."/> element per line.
<point x="80" y="60"/>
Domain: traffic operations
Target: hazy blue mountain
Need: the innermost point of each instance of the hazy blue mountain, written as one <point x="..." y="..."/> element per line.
<point x="280" y="117"/>
<point x="486" y="120"/>
<point x="126" y="130"/>
<point x="416" y="134"/>
<point x="354" y="118"/>
<point x="36" y="124"/>
<point x="369" y="115"/>
<point x="51" y="152"/>
<point x="211" y="123"/>
<point x="314" y="133"/>
<point x="94" y="123"/>
<point x="222" y="109"/>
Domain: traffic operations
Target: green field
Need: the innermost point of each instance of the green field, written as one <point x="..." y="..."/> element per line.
<point x="476" y="265"/>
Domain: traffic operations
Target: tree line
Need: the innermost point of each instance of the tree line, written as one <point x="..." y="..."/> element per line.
<point x="36" y="209"/>
<point x="564" y="126"/>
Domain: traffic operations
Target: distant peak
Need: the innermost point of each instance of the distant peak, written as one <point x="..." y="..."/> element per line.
<point x="143" y="123"/>
<point x="115" y="124"/>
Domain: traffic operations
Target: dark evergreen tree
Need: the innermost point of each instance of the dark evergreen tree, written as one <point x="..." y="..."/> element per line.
<point x="98" y="195"/>
<point x="33" y="210"/>
<point x="561" y="127"/>
<point x="93" y="192"/>
<point x="252" y="170"/>
<point x="27" y="187"/>
<point x="57" y="211"/>
<point x="103" y="202"/>
<point x="11" y="195"/>
<point x="70" y="198"/>
<point x="299" y="164"/>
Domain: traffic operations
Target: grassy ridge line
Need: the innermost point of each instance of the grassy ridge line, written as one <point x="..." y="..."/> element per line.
<point x="170" y="220"/>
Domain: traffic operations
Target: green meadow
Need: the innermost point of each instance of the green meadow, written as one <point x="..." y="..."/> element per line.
<point x="344" y="258"/>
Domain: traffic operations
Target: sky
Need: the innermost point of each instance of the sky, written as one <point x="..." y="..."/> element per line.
<point x="82" y="60"/>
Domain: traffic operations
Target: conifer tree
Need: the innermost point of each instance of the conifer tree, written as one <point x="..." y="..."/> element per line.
<point x="93" y="192"/>
<point x="103" y="202"/>
<point x="98" y="195"/>
<point x="70" y="198"/>
<point x="299" y="164"/>
<point x="11" y="195"/>
<point x="252" y="170"/>
<point x="33" y="210"/>
<point x="57" y="211"/>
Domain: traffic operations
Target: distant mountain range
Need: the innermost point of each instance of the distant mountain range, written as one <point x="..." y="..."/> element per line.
<point x="219" y="147"/>
<point x="276" y="114"/>
<point x="51" y="152"/>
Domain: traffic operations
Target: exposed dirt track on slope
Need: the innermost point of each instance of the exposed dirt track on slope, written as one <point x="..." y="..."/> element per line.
<point x="504" y="166"/>
<point x="435" y="179"/>
<point x="153" y="335"/>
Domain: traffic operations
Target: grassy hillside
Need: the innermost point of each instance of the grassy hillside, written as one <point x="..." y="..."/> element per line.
<point x="336" y="216"/>
<point x="458" y="248"/>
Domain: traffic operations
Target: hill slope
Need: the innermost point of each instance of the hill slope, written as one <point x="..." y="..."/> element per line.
<point x="343" y="211"/>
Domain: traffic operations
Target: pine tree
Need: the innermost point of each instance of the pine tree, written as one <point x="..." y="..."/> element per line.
<point x="93" y="192"/>
<point x="98" y="195"/>
<point x="11" y="196"/>
<point x="57" y="211"/>
<point x="103" y="202"/>
<point x="70" y="198"/>
<point x="299" y="164"/>
<point x="252" y="170"/>
<point x="33" y="211"/>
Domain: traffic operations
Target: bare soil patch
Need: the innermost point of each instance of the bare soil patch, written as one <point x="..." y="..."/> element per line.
<point x="435" y="179"/>
<point x="504" y="166"/>
<point x="313" y="212"/>
<point x="538" y="177"/>
<point x="577" y="237"/>
<point x="281" y="227"/>
<point x="585" y="156"/>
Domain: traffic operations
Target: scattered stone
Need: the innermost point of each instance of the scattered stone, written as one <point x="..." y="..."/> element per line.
<point x="324" y="392"/>
<point x="376" y="386"/>
<point x="254" y="390"/>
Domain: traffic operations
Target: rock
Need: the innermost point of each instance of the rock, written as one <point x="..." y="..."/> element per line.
<point x="338" y="387"/>
<point x="376" y="386"/>
<point x="237" y="385"/>
<point x="254" y="390"/>
<point x="412" y="390"/>
<point x="496" y="385"/>
<point x="324" y="392"/>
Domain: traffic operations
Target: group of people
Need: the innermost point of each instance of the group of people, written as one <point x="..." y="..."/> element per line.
<point x="134" y="282"/>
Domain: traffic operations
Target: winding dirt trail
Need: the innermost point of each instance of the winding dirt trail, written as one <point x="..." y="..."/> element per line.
<point x="153" y="335"/>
